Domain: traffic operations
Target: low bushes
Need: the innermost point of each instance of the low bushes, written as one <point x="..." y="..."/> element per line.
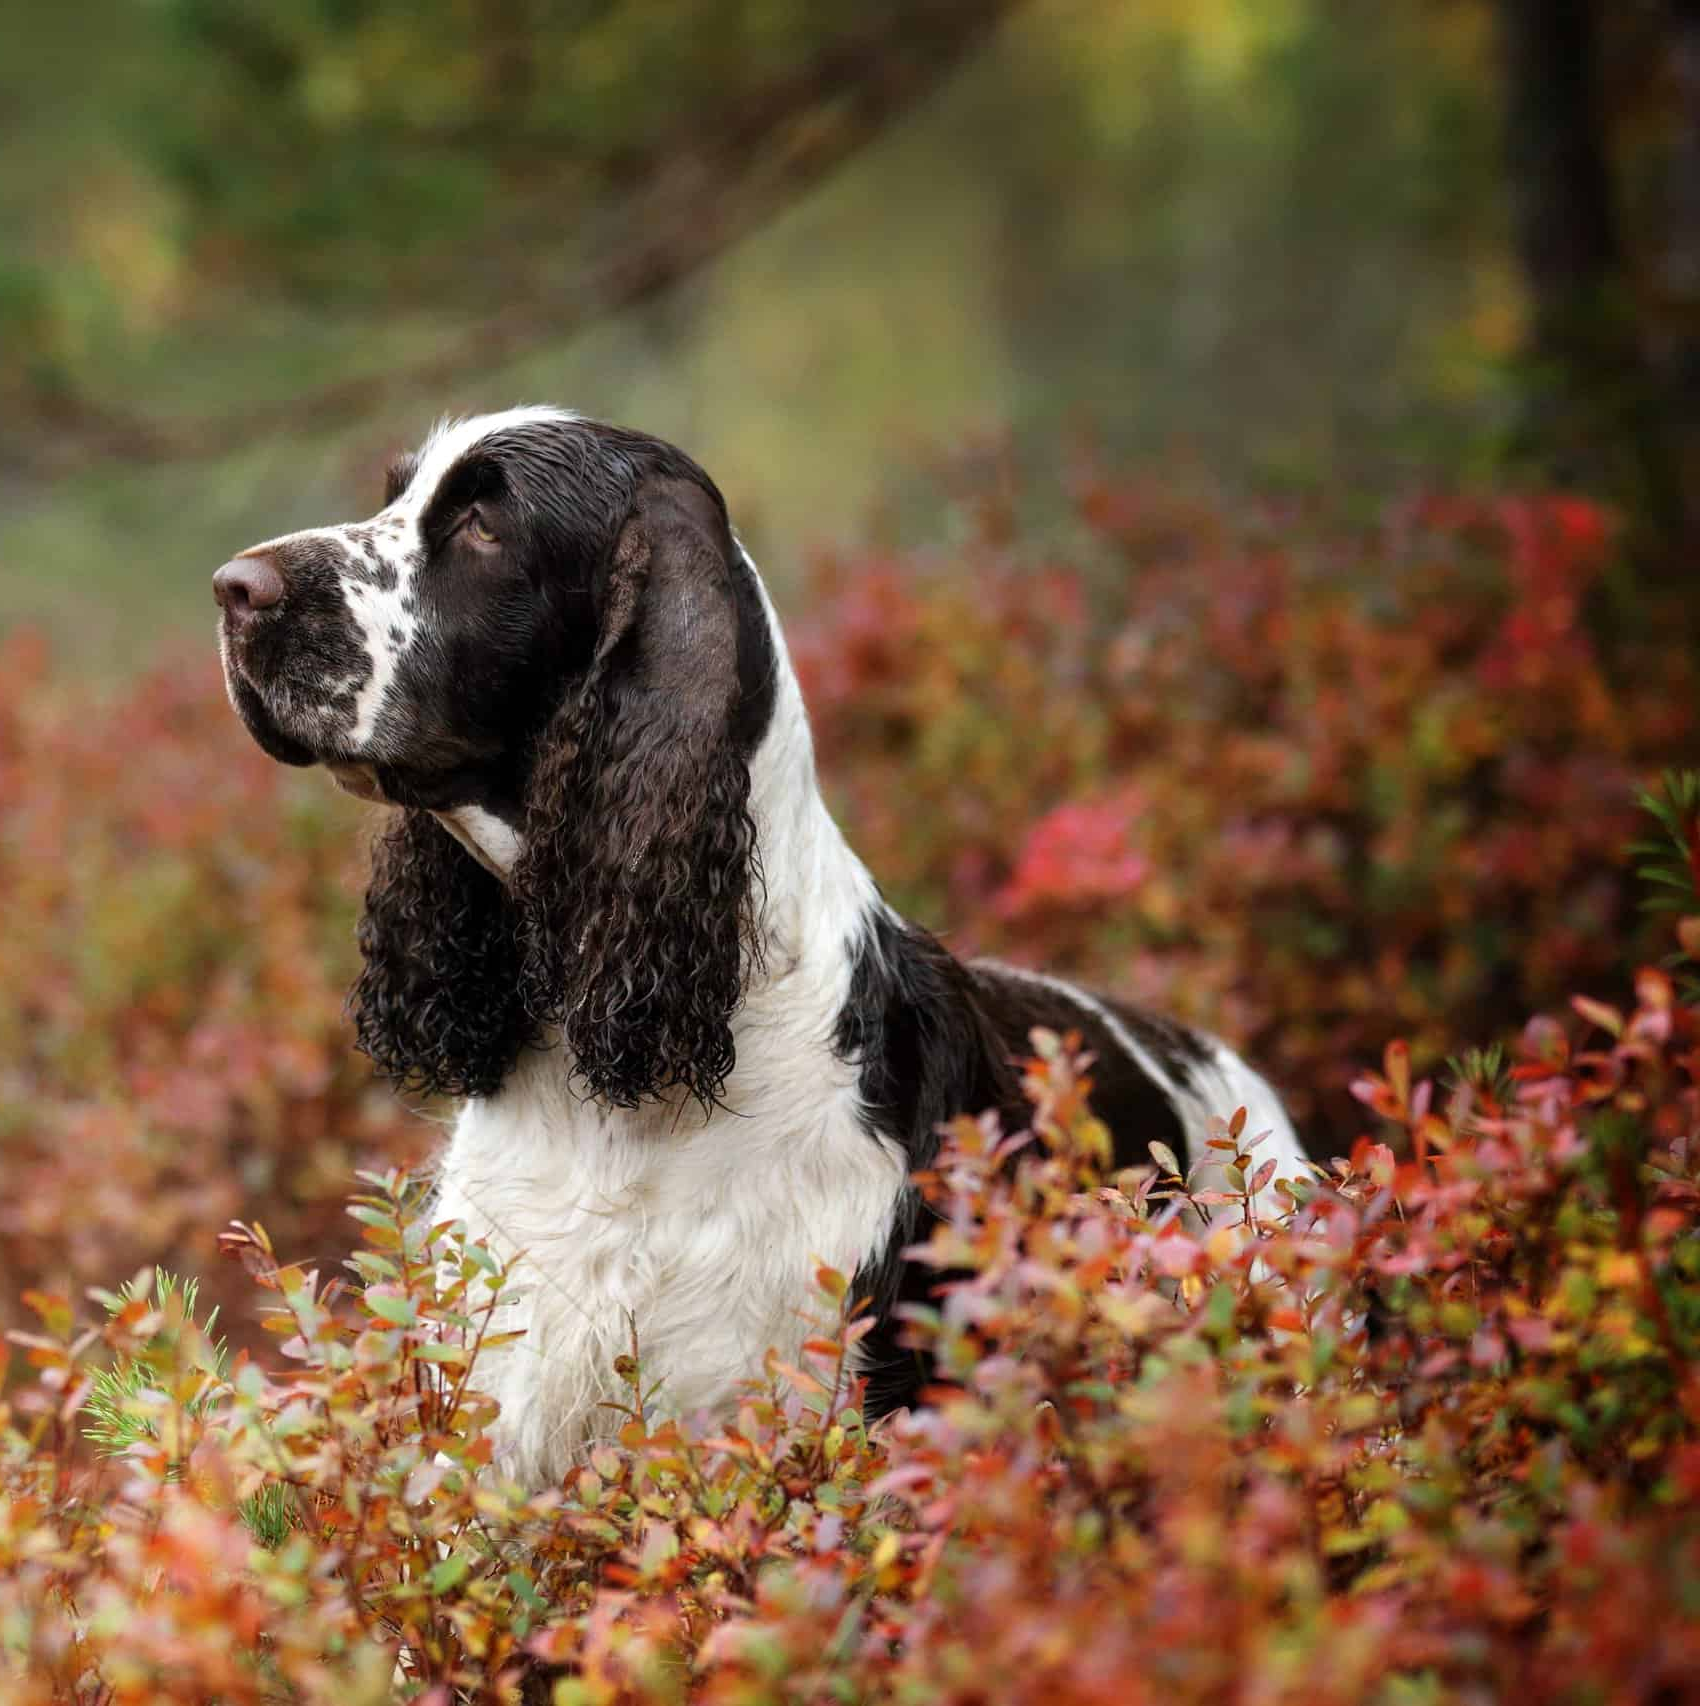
<point x="178" y="918"/>
<point x="1431" y="1433"/>
<point x="1316" y="786"/>
<point x="1350" y="794"/>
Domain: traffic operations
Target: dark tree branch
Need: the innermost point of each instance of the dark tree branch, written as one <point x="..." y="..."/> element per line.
<point x="694" y="200"/>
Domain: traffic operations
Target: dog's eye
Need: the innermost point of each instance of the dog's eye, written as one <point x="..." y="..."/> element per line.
<point x="474" y="524"/>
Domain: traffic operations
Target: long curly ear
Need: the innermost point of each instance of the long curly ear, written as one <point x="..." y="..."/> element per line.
<point x="437" y="1006"/>
<point x="635" y="884"/>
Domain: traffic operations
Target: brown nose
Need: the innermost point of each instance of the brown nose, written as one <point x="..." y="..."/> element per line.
<point x="247" y="584"/>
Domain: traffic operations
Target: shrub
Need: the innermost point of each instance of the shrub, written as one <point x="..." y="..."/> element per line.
<point x="1346" y="793"/>
<point x="1311" y="784"/>
<point x="1161" y="1464"/>
<point x="178" y="933"/>
<point x="1314" y="786"/>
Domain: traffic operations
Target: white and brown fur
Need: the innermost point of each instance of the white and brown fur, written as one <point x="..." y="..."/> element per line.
<point x="698" y="1055"/>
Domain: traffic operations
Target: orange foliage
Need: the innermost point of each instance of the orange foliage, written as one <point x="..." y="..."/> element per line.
<point x="1311" y="786"/>
<point x="1432" y="1433"/>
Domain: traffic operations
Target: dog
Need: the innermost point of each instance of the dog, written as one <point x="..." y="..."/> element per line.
<point x="698" y="1055"/>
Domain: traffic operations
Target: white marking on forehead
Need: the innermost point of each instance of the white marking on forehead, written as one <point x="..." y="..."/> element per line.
<point x="452" y="437"/>
<point x="383" y="615"/>
<point x="444" y="445"/>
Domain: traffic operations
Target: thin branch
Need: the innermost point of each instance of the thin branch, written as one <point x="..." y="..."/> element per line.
<point x="695" y="201"/>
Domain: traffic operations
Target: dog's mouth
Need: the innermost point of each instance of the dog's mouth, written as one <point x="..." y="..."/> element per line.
<point x="291" y="720"/>
<point x="360" y="780"/>
<point x="358" y="777"/>
<point x="263" y="723"/>
<point x="436" y="787"/>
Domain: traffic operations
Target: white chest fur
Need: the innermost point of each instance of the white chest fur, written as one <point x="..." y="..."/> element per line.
<point x="704" y="1234"/>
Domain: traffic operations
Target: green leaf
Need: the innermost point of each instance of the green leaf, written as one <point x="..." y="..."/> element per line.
<point x="400" y="1311"/>
<point x="433" y="1351"/>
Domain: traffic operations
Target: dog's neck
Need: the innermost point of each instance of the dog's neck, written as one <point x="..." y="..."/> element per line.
<point x="815" y="891"/>
<point x="491" y="840"/>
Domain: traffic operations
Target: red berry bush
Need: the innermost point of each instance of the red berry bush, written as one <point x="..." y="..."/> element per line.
<point x="1360" y="796"/>
<point x="178" y="932"/>
<point x="1315" y="786"/>
<point x="1430" y="1433"/>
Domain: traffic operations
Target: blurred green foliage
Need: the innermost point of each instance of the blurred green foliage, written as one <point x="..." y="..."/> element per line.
<point x="329" y="142"/>
<point x="1262" y="228"/>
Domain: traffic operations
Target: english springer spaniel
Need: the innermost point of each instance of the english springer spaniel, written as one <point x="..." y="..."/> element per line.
<point x="699" y="1054"/>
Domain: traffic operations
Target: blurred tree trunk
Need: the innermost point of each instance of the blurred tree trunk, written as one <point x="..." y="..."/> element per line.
<point x="1566" y="226"/>
<point x="1594" y="412"/>
<point x="1679" y="264"/>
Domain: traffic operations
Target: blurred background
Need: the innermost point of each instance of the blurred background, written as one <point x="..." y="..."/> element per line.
<point x="1228" y="465"/>
<point x="248" y="248"/>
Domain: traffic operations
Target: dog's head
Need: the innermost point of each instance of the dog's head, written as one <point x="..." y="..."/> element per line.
<point x="549" y="623"/>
